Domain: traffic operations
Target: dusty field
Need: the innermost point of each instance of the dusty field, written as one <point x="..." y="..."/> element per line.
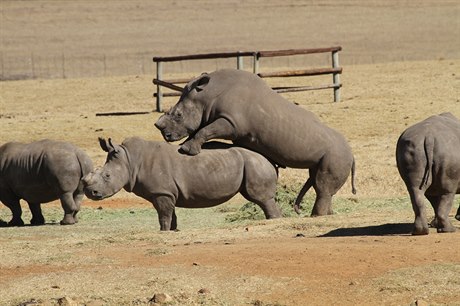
<point x="80" y="38"/>
<point x="362" y="255"/>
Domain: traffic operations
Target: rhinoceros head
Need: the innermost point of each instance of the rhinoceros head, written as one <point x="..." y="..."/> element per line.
<point x="185" y="118"/>
<point x="112" y="177"/>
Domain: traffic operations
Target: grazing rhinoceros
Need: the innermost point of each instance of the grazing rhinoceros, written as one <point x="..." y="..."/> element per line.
<point x="428" y="160"/>
<point x="239" y="106"/>
<point x="157" y="172"/>
<point x="41" y="172"/>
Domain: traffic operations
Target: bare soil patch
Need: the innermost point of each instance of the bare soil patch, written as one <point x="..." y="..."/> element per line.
<point x="361" y="255"/>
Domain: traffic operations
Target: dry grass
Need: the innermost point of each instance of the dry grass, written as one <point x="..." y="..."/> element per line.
<point x="362" y="255"/>
<point x="122" y="259"/>
<point x="379" y="102"/>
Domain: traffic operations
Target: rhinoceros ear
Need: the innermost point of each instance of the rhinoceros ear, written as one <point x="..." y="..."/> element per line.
<point x="112" y="147"/>
<point x="107" y="146"/>
<point x="202" y="81"/>
<point x="103" y="144"/>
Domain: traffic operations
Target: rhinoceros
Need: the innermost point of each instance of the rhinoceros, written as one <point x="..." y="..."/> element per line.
<point x="157" y="172"/>
<point x="428" y="160"/>
<point x="40" y="172"/>
<point x="239" y="106"/>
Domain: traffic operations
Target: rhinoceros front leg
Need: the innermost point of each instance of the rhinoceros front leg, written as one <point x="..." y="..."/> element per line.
<point x="37" y="216"/>
<point x="16" y="211"/>
<point x="165" y="206"/>
<point x="68" y="204"/>
<point x="220" y="128"/>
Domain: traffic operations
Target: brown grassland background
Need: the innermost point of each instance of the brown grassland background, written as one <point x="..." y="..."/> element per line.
<point x="401" y="64"/>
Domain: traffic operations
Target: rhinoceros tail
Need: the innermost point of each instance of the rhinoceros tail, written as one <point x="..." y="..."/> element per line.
<point x="428" y="146"/>
<point x="353" y="188"/>
<point x="302" y="192"/>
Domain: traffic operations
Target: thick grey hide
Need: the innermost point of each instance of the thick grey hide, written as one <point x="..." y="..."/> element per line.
<point x="428" y="159"/>
<point x="239" y="106"/>
<point x="41" y="172"/>
<point x="159" y="173"/>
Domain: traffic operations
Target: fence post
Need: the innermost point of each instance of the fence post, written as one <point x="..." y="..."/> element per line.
<point x="255" y="64"/>
<point x="239" y="62"/>
<point x="159" y="91"/>
<point x="336" y="76"/>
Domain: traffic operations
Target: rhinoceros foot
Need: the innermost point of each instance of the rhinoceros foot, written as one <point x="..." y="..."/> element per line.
<point x="420" y="231"/>
<point x="190" y="147"/>
<point x="67" y="220"/>
<point x="16" y="222"/>
<point x="447" y="229"/>
<point x="37" y="221"/>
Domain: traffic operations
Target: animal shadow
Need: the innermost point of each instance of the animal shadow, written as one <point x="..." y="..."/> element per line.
<point x="5" y="224"/>
<point x="375" y="230"/>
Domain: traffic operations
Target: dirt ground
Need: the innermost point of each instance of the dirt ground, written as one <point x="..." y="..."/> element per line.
<point x="362" y="255"/>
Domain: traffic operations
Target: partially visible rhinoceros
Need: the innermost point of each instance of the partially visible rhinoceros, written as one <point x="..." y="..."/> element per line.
<point x="239" y="106"/>
<point x="40" y="172"/>
<point x="157" y="172"/>
<point x="428" y="160"/>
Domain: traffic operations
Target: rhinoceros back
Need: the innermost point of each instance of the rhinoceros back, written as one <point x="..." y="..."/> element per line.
<point x="269" y="124"/>
<point x="41" y="171"/>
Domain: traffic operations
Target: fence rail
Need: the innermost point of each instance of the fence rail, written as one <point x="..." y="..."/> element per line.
<point x="335" y="70"/>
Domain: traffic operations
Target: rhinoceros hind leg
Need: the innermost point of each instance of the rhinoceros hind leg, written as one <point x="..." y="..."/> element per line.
<point x="270" y="208"/>
<point x="165" y="208"/>
<point x="328" y="179"/>
<point x="418" y="205"/>
<point x="37" y="216"/>
<point x="302" y="193"/>
<point x="322" y="206"/>
<point x="444" y="207"/>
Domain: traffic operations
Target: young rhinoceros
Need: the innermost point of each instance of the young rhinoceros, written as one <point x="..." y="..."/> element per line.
<point x="428" y="159"/>
<point x="157" y="172"/>
<point x="41" y="172"/>
<point x="239" y="106"/>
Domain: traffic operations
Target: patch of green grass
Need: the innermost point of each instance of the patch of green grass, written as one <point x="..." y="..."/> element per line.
<point x="286" y="196"/>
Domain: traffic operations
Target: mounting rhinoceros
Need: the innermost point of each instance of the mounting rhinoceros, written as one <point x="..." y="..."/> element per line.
<point x="157" y="172"/>
<point x="428" y="160"/>
<point x="40" y="172"/>
<point x="239" y="106"/>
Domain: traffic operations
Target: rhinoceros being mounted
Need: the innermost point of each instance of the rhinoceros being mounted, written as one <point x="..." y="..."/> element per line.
<point x="428" y="160"/>
<point x="239" y="106"/>
<point x="40" y="172"/>
<point x="157" y="172"/>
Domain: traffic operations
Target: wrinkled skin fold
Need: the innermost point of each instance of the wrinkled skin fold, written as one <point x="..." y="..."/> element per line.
<point x="159" y="173"/>
<point x="239" y="106"/>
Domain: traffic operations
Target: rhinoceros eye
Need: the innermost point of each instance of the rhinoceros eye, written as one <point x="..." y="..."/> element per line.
<point x="178" y="116"/>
